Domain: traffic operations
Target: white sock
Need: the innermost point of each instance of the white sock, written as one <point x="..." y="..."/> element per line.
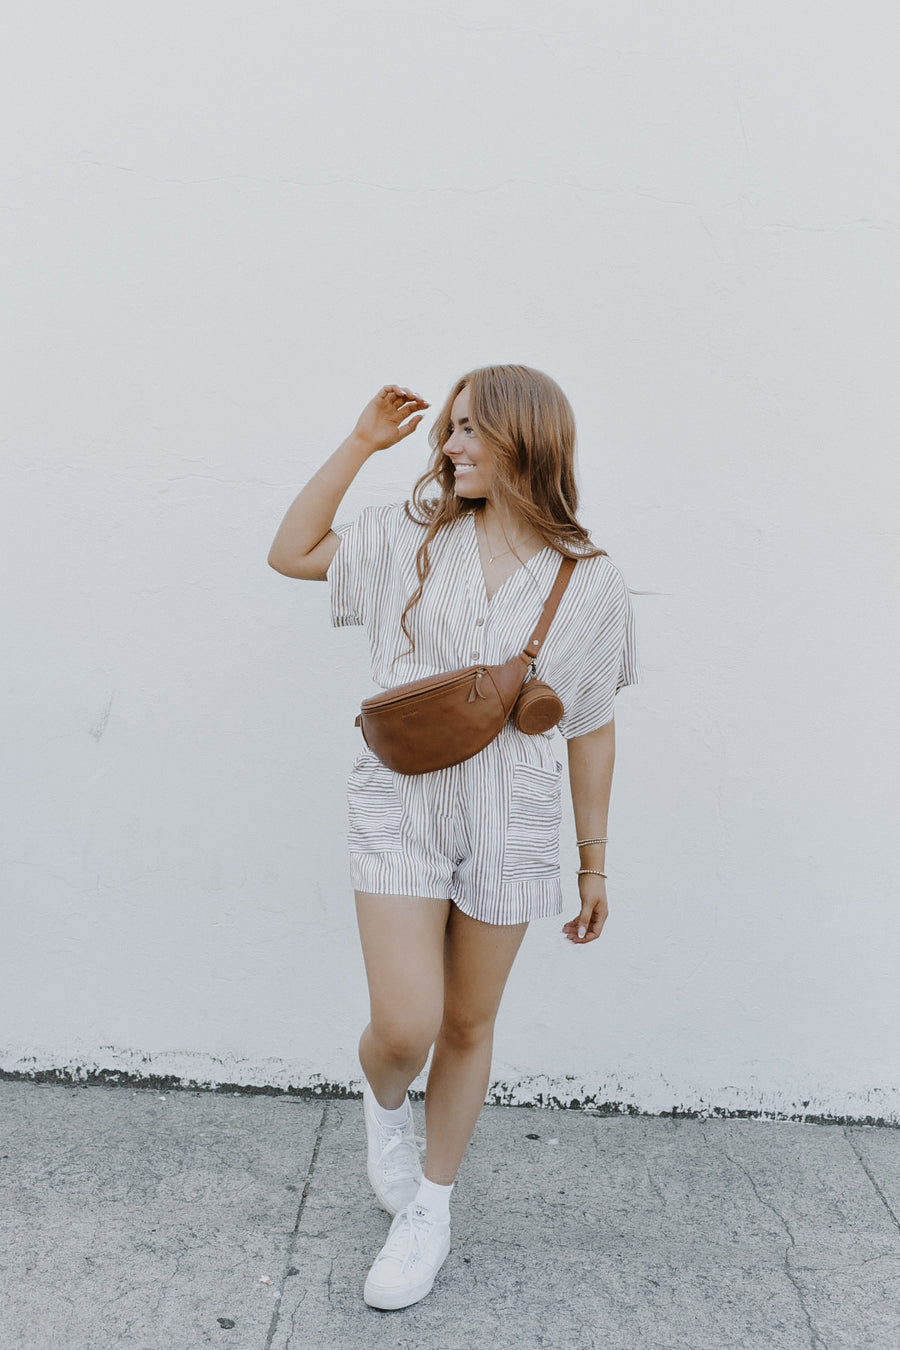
<point x="390" y="1119"/>
<point x="434" y="1197"/>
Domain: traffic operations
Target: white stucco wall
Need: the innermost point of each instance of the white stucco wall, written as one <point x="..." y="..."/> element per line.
<point x="224" y="226"/>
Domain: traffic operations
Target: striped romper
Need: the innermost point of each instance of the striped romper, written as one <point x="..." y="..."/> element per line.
<point x="484" y="833"/>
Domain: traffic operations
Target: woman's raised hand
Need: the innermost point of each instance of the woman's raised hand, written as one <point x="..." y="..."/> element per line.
<point x="389" y="417"/>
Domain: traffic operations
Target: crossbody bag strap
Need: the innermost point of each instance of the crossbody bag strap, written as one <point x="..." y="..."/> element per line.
<point x="563" y="577"/>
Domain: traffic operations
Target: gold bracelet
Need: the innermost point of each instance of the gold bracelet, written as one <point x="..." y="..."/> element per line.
<point x="583" y="843"/>
<point x="590" y="872"/>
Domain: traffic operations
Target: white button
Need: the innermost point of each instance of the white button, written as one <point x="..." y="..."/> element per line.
<point x="474" y="656"/>
<point x="479" y="622"/>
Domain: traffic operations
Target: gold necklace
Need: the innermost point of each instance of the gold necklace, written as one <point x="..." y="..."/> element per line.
<point x="492" y="557"/>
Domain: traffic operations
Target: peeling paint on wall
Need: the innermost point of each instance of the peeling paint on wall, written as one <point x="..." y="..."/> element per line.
<point x="564" y="1094"/>
<point x="99" y="725"/>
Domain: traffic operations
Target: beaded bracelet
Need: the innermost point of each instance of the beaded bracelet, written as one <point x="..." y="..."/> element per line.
<point x="590" y="872"/>
<point x="583" y="843"/>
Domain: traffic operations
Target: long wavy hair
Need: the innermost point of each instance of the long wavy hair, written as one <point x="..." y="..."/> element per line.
<point x="526" y="420"/>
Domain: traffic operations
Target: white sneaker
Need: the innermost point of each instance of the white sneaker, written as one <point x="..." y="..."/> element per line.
<point x="393" y="1164"/>
<point x="405" y="1268"/>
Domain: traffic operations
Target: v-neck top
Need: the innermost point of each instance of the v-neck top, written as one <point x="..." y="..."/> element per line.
<point x="590" y="651"/>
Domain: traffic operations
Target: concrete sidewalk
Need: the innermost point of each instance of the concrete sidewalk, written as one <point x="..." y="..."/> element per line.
<point x="179" y="1220"/>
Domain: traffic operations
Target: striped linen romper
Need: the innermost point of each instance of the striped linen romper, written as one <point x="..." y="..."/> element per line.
<point x="484" y="833"/>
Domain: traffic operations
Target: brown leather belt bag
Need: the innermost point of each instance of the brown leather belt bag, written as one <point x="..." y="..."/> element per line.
<point x="433" y="723"/>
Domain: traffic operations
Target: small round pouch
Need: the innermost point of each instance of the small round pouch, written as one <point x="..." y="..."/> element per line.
<point x="537" y="709"/>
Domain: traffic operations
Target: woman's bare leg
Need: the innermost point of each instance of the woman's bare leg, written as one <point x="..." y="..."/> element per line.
<point x="477" y="960"/>
<point x="403" y="947"/>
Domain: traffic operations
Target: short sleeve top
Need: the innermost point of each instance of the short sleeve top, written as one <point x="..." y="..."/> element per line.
<point x="590" y="651"/>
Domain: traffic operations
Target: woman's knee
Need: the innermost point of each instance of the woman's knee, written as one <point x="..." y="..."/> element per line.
<point x="404" y="1043"/>
<point x="463" y="1031"/>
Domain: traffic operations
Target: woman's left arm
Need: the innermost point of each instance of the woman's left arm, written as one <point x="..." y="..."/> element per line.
<point x="591" y="760"/>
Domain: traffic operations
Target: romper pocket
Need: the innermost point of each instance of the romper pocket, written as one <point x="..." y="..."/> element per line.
<point x="375" y="807"/>
<point x="532" y="830"/>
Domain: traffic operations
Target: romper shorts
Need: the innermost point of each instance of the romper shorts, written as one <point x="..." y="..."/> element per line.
<point x="484" y="833"/>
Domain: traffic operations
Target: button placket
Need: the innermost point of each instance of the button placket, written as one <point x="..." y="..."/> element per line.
<point x="475" y="653"/>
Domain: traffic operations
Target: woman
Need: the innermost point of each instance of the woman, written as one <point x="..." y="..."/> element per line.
<point x="449" y="867"/>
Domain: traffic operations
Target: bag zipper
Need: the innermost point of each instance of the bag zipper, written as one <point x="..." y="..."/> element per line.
<point x="384" y="701"/>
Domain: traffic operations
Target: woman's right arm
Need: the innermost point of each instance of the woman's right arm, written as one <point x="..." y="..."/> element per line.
<point x="305" y="543"/>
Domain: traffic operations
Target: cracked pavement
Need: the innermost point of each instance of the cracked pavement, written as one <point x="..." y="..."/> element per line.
<point x="182" y="1219"/>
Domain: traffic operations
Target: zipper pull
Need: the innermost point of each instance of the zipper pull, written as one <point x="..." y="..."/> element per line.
<point x="476" y="690"/>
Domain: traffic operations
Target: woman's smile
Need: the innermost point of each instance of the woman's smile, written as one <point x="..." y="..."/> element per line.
<point x="472" y="460"/>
